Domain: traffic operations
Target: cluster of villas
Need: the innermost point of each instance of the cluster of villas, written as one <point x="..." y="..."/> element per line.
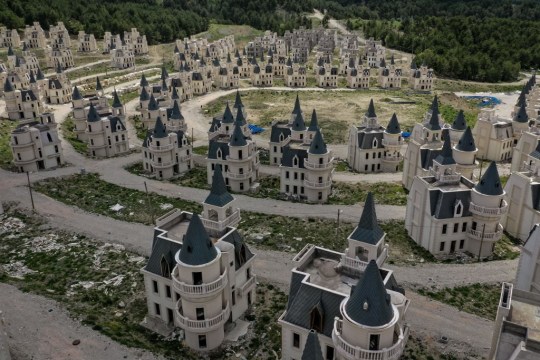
<point x="58" y="47"/>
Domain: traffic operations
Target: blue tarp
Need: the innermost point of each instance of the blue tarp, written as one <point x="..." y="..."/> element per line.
<point x="255" y="129"/>
<point x="484" y="100"/>
<point x="405" y="134"/>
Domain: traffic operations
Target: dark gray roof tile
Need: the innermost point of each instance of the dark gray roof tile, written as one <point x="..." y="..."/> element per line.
<point x="368" y="230"/>
<point x="197" y="247"/>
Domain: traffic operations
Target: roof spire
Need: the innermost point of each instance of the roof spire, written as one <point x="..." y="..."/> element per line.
<point x="228" y="115"/>
<point x="98" y="84"/>
<point x="159" y="129"/>
<point x="459" y="122"/>
<point x="76" y="94"/>
<point x="446" y="157"/>
<point x="490" y="183"/>
<point x="371" y="110"/>
<point x="237" y="138"/>
<point x="176" y="114"/>
<point x="219" y="196"/>
<point x="317" y="147"/>
<point x="238" y="100"/>
<point x="466" y="142"/>
<point x="7" y="86"/>
<point x="297" y="109"/>
<point x="197" y="248"/>
<point x="393" y="125"/>
<point x="144" y="82"/>
<point x="152" y="104"/>
<point x="368" y="230"/>
<point x="116" y="100"/>
<point x="93" y="115"/>
<point x="314" y="124"/>
<point x="312" y="349"/>
<point x="522" y="116"/>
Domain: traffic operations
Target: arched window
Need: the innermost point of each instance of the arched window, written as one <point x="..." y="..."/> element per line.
<point x="165" y="268"/>
<point x="458" y="209"/>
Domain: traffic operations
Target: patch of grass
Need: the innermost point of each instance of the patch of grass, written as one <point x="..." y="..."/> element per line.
<point x="201" y="150"/>
<point x="426" y="348"/>
<point x="506" y="248"/>
<point x="128" y="96"/>
<point x="67" y="128"/>
<point x="449" y="113"/>
<point x="92" y="194"/>
<point x="264" y="156"/>
<point x="138" y="125"/>
<point x="457" y="85"/>
<point x="341" y="166"/>
<point x="6" y="156"/>
<point x="385" y="193"/>
<point x="477" y="299"/>
<point x="195" y="178"/>
<point x="504" y="179"/>
<point x="90" y="70"/>
<point x="403" y="249"/>
<point x="62" y="264"/>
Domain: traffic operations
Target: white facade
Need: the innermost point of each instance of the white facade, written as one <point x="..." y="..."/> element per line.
<point x="421" y="79"/>
<point x="87" y="42"/>
<point x="34" y="36"/>
<point x="21" y="104"/>
<point x="106" y="136"/>
<point x="9" y="38"/>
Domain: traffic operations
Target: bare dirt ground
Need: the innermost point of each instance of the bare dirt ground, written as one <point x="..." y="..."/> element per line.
<point x="40" y="329"/>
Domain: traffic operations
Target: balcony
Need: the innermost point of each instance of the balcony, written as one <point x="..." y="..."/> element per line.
<point x="314" y="166"/>
<point x="194" y="291"/>
<point x="317" y="185"/>
<point x="487" y="211"/>
<point x="20" y="146"/>
<point x="220" y="225"/>
<point x="160" y="148"/>
<point x="388" y="142"/>
<point x="25" y="162"/>
<point x="248" y="285"/>
<point x="201" y="326"/>
<point x="486" y="236"/>
<point x="236" y="176"/>
<point x="161" y="165"/>
<point x="351" y="352"/>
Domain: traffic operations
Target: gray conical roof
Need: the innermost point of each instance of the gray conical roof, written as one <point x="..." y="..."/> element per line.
<point x="522" y="99"/>
<point x="521" y="116"/>
<point x="32" y="78"/>
<point x="383" y="63"/>
<point x="197" y="248"/>
<point x="159" y="129"/>
<point x="312" y="349"/>
<point x="393" y="125"/>
<point x="298" y="123"/>
<point x="459" y="122"/>
<point x="25" y="46"/>
<point x="314" y="124"/>
<point x="76" y="95"/>
<point x="490" y="183"/>
<point x="228" y="117"/>
<point x="433" y="123"/>
<point x="317" y="146"/>
<point x="144" y="82"/>
<point x="369" y="303"/>
<point x="297" y="109"/>
<point x="164" y="73"/>
<point x="368" y="230"/>
<point x="238" y="101"/>
<point x="392" y="61"/>
<point x="58" y="68"/>
<point x="98" y="84"/>
<point x="10" y="51"/>
<point x="8" y="86"/>
<point x="152" y="104"/>
<point x="371" y="110"/>
<point x="144" y="95"/>
<point x="176" y="114"/>
<point x="240" y="119"/>
<point x="466" y="143"/>
<point x="446" y="156"/>
<point x="40" y="75"/>
<point x="237" y="138"/>
<point x="116" y="100"/>
<point x="93" y="115"/>
<point x="174" y="95"/>
<point x="435" y="104"/>
<point x="413" y="65"/>
<point x="219" y="196"/>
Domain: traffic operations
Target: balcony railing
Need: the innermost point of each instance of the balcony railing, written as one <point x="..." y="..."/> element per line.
<point x="351" y="352"/>
<point x="160" y="148"/>
<point x="19" y="146"/>
<point x="248" y="285"/>
<point x="487" y="211"/>
<point x="220" y="225"/>
<point x="314" y="166"/>
<point x="387" y="142"/>
<point x="487" y="236"/>
<point x="200" y="326"/>
<point x="236" y="176"/>
<point x="162" y="164"/>
<point x="317" y="185"/>
<point x="360" y="265"/>
<point x="189" y="290"/>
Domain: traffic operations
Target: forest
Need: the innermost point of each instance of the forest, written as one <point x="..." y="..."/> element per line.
<point x="482" y="40"/>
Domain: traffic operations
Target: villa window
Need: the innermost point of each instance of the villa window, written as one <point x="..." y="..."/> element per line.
<point x="329" y="353"/>
<point x="374" y="341"/>
<point x="168" y="291"/>
<point x="165" y="267"/>
<point x="441" y="246"/>
<point x="158" y="309"/>
<point x="296" y="340"/>
<point x="316" y="320"/>
<point x="202" y="341"/>
<point x="456" y="227"/>
<point x="444" y="228"/>
<point x="461" y="244"/>
<point x="155" y="285"/>
<point x="464" y="227"/>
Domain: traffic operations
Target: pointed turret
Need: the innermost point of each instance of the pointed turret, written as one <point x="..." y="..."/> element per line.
<point x="522" y="99"/>
<point x="433" y="123"/>
<point x="164" y="73"/>
<point x="314" y="124"/>
<point x="466" y="143"/>
<point x="521" y="116"/>
<point x="10" y="51"/>
<point x="153" y="105"/>
<point x="368" y="230"/>
<point x="237" y="138"/>
<point x="159" y="129"/>
<point x="393" y="126"/>
<point x="76" y="95"/>
<point x="197" y="247"/>
<point x="298" y="123"/>
<point x="490" y="183"/>
<point x="312" y="350"/>
<point x="446" y="157"/>
<point x="219" y="196"/>
<point x="40" y="75"/>
<point x="176" y="114"/>
<point x="144" y="82"/>
<point x="93" y="115"/>
<point x="98" y="84"/>
<point x="25" y="47"/>
<point x="371" y="110"/>
<point x="229" y="58"/>
<point x="174" y="95"/>
<point x="32" y="78"/>
<point x="238" y="101"/>
<point x="459" y="123"/>
<point x="297" y="109"/>
<point x="240" y="119"/>
<point x="7" y="86"/>
<point x="144" y="95"/>
<point x="383" y="63"/>
<point x="59" y="68"/>
<point x="392" y="61"/>
<point x="369" y="303"/>
<point x="413" y="65"/>
<point x="228" y="117"/>
<point x="116" y="100"/>
<point x="318" y="146"/>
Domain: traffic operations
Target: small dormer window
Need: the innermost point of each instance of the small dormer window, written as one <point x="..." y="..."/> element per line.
<point x="281" y="137"/>
<point x="219" y="154"/>
<point x="375" y="143"/>
<point x="295" y="161"/>
<point x="458" y="209"/>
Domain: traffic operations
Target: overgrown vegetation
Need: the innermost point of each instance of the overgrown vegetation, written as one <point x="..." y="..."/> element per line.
<point x="138" y="124"/>
<point x="68" y="131"/>
<point x="385" y="193"/>
<point x="477" y="299"/>
<point x="6" y="156"/>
